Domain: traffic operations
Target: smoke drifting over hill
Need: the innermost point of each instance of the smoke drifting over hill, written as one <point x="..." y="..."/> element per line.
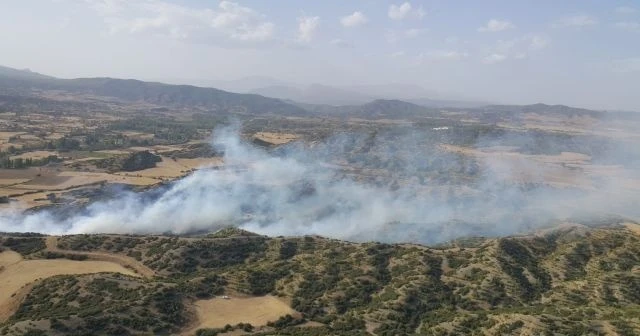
<point x="298" y="190"/>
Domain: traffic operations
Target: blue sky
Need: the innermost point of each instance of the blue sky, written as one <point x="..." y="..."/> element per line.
<point x="584" y="53"/>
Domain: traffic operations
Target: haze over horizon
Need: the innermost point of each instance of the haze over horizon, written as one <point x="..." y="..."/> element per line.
<point x="580" y="53"/>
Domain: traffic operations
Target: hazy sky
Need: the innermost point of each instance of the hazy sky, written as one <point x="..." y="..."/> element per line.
<point x="578" y="52"/>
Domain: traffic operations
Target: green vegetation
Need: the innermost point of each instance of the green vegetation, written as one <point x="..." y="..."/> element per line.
<point x="19" y="163"/>
<point x="24" y="245"/>
<point x="104" y="305"/>
<point x="498" y="286"/>
<point x="131" y="162"/>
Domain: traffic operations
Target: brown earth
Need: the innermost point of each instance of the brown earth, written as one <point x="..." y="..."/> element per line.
<point x="218" y="312"/>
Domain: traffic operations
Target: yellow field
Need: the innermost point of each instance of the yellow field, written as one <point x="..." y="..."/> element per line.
<point x="35" y="155"/>
<point x="218" y="312"/>
<point x="4" y="136"/>
<point x="71" y="179"/>
<point x="275" y="138"/>
<point x="635" y="228"/>
<point x="12" y="181"/>
<point x="171" y="169"/>
<point x="16" y="273"/>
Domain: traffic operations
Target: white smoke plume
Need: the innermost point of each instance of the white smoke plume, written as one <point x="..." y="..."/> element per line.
<point x="297" y="190"/>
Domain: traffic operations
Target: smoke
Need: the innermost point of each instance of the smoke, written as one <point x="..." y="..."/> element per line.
<point x="392" y="187"/>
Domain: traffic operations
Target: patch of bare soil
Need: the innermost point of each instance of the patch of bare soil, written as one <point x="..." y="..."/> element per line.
<point x="275" y="138"/>
<point x="635" y="228"/>
<point x="218" y="312"/>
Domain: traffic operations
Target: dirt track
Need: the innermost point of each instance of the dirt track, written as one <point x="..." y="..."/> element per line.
<point x="124" y="261"/>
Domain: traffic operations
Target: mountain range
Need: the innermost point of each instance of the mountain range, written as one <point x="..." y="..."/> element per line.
<point x="319" y="100"/>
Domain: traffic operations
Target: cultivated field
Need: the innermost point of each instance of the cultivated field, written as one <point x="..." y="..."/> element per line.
<point x="218" y="312"/>
<point x="16" y="273"/>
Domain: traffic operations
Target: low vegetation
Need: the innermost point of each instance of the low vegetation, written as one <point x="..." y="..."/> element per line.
<point x="570" y="282"/>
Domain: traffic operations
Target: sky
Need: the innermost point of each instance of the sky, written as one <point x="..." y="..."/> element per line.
<point x="577" y="52"/>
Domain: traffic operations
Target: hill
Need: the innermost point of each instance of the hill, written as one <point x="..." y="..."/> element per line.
<point x="571" y="281"/>
<point x="377" y="109"/>
<point x="130" y="90"/>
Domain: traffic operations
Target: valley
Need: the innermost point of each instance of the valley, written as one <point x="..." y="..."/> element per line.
<point x="137" y="208"/>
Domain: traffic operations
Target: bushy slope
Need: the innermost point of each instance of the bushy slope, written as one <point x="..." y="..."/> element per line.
<point x="573" y="281"/>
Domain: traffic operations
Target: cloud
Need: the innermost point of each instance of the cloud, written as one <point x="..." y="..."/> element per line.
<point x="405" y="11"/>
<point x="341" y="43"/>
<point x="538" y="43"/>
<point x="576" y="21"/>
<point x="444" y="55"/>
<point x="394" y="36"/>
<point x="107" y="7"/>
<point x="398" y="54"/>
<point x="625" y="10"/>
<point x="307" y="26"/>
<point x="496" y="25"/>
<point x="354" y="20"/>
<point x="517" y="48"/>
<point x="495" y="58"/>
<point x="626" y="65"/>
<point x="629" y="26"/>
<point x="415" y="32"/>
<point x="227" y="22"/>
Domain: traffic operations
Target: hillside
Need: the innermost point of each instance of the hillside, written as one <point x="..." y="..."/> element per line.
<point x="571" y="281"/>
<point x="130" y="90"/>
<point x="377" y="109"/>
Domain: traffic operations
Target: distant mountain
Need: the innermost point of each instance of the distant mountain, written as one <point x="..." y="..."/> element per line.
<point x="377" y="109"/>
<point x="417" y="94"/>
<point x="25" y="74"/>
<point x="540" y="108"/>
<point x="315" y="94"/>
<point x="130" y="90"/>
<point x="492" y="113"/>
<point x="390" y="109"/>
<point x="426" y="102"/>
<point x="244" y="85"/>
<point x="400" y="91"/>
<point x="356" y="95"/>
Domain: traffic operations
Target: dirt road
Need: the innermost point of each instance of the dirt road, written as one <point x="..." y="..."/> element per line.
<point x="125" y="261"/>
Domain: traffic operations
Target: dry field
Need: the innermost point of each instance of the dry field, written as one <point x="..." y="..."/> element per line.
<point x="16" y="273"/>
<point x="30" y="187"/>
<point x="275" y="138"/>
<point x="218" y="312"/>
<point x="170" y="169"/>
<point x="554" y="170"/>
<point x="36" y="155"/>
<point x="635" y="228"/>
<point x="619" y="129"/>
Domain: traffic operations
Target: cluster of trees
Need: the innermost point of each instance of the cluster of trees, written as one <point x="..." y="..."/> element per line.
<point x="163" y="128"/>
<point x="20" y="163"/>
<point x="23" y="245"/>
